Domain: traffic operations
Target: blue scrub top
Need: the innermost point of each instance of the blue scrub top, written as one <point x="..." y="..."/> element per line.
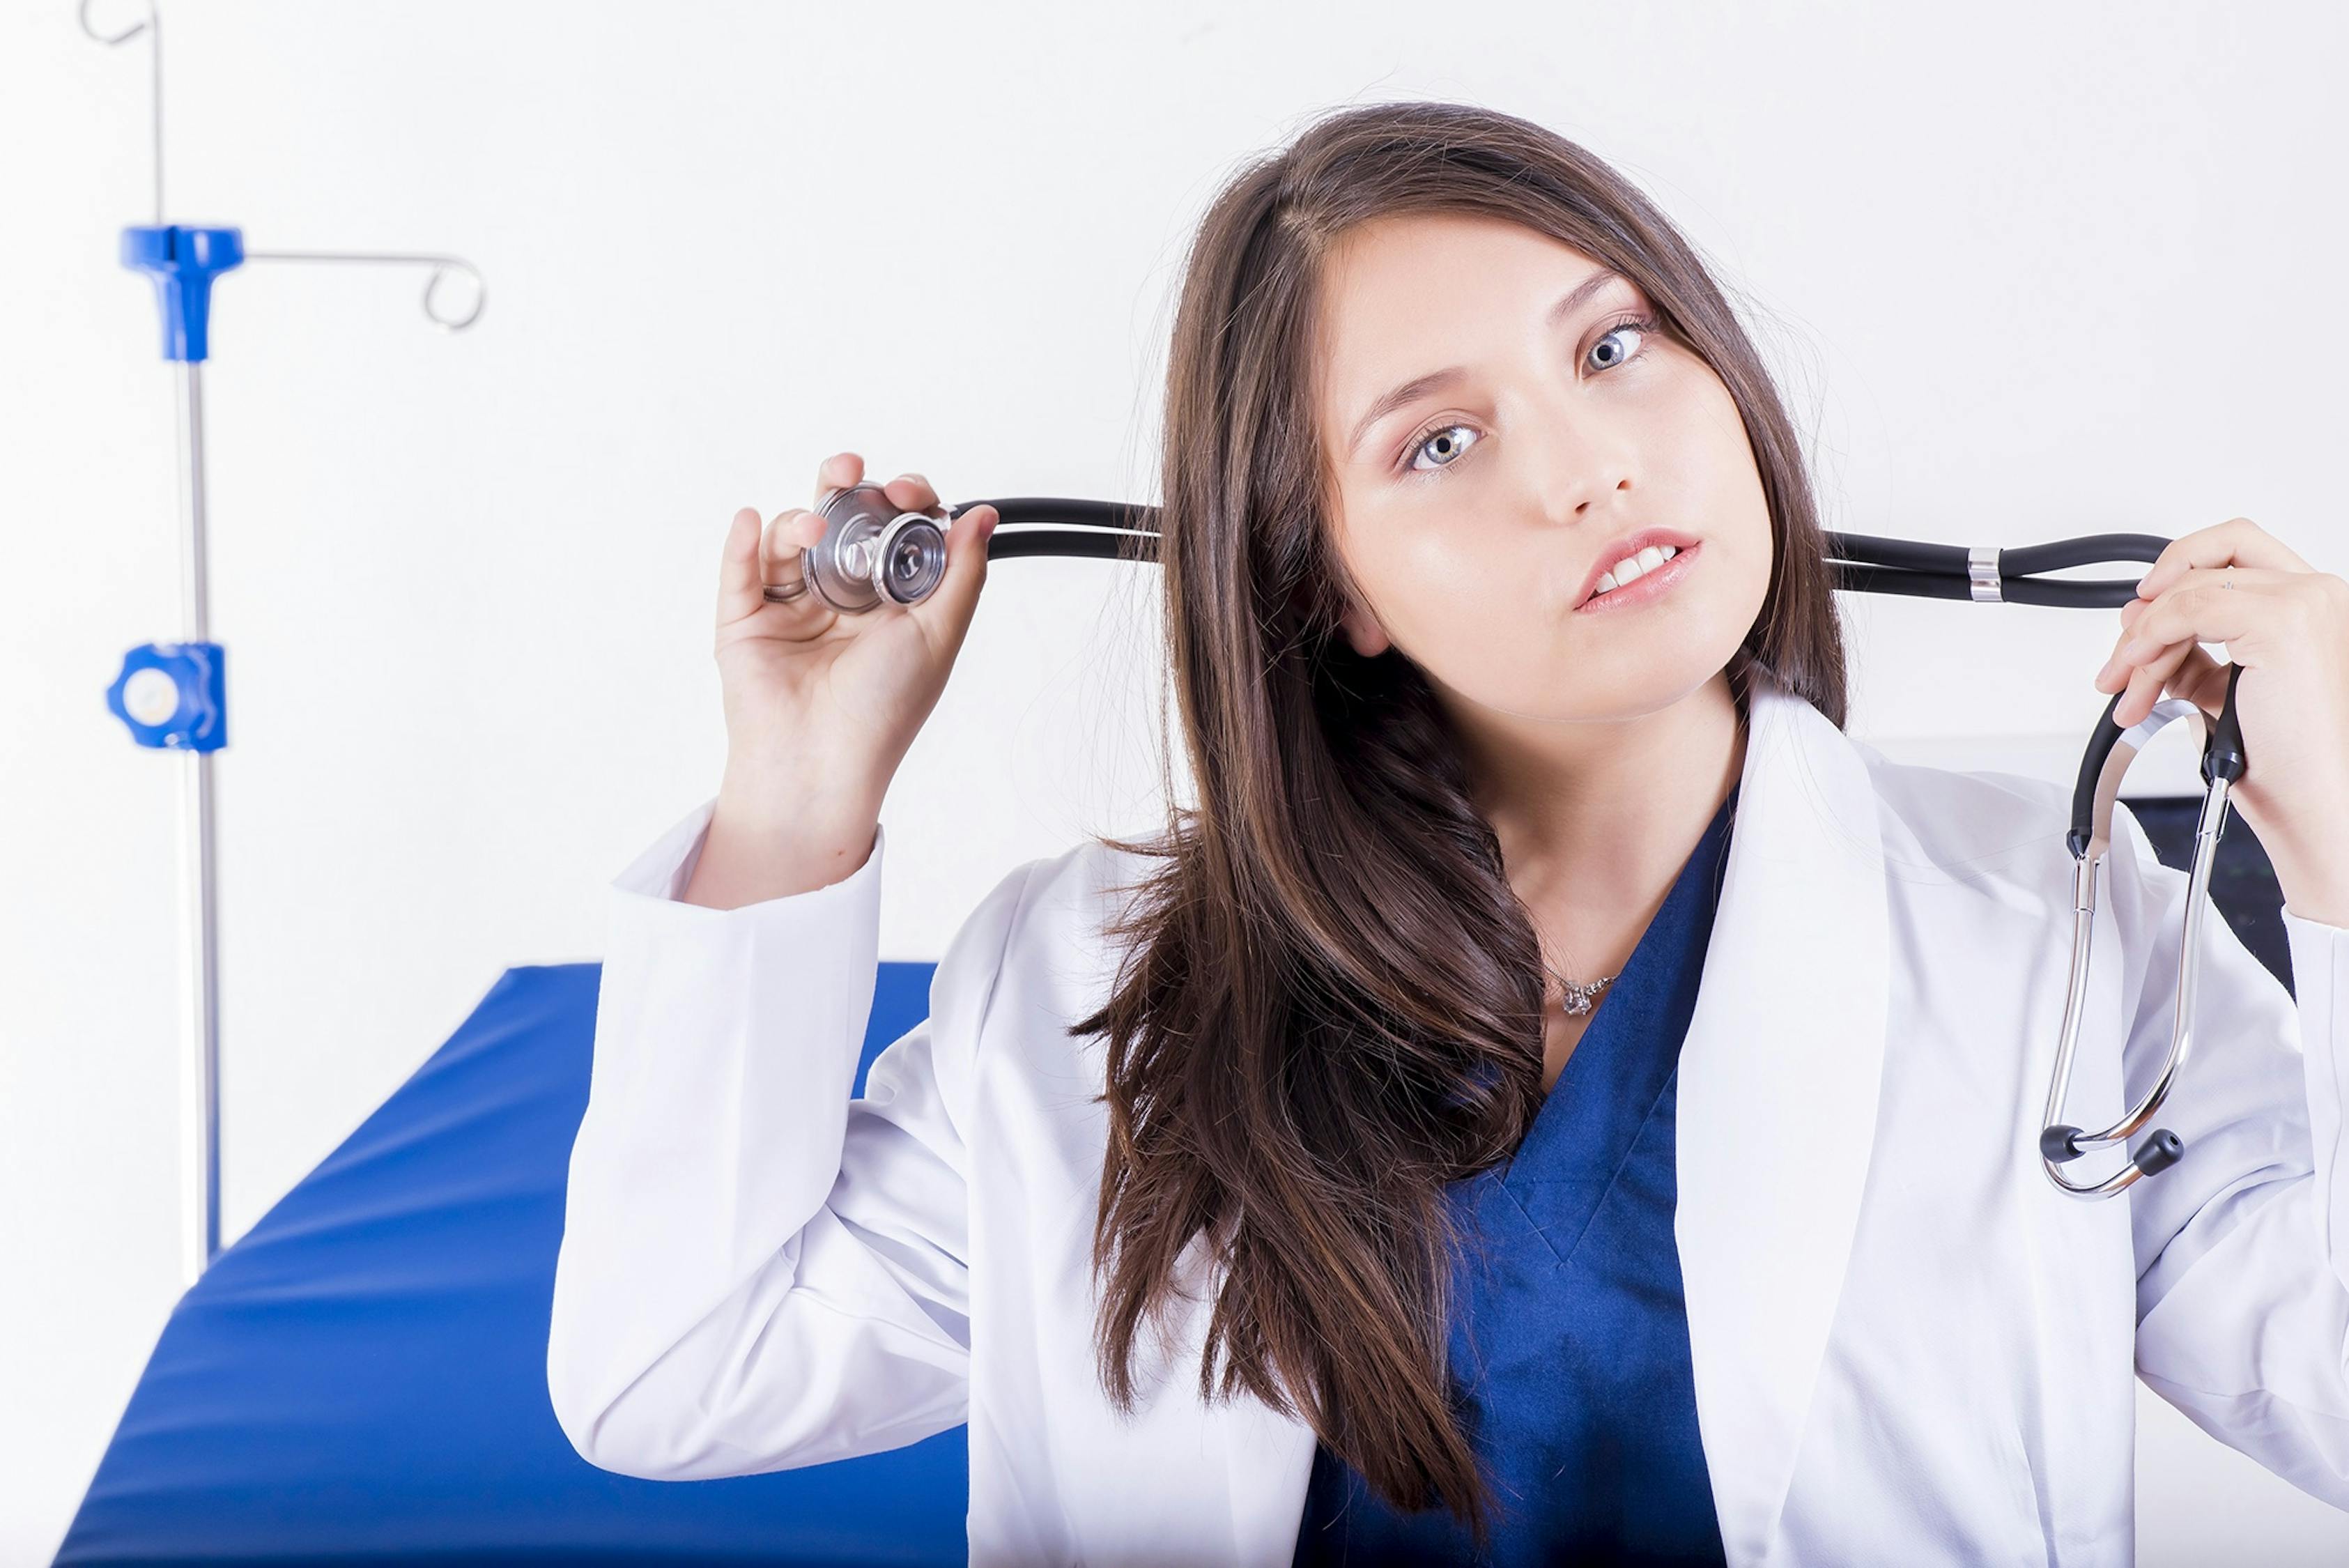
<point x="1570" y="1343"/>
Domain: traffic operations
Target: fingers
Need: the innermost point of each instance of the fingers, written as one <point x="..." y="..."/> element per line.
<point x="956" y="598"/>
<point x="787" y="533"/>
<point x="2196" y="603"/>
<point x="842" y="468"/>
<point x="2185" y="671"/>
<point x="738" y="568"/>
<point x="759" y="555"/>
<point x="2146" y="682"/>
<point x="2238" y="541"/>
<point x="2202" y="680"/>
<point x="2181" y="667"/>
<point x="756" y="556"/>
<point x="911" y="492"/>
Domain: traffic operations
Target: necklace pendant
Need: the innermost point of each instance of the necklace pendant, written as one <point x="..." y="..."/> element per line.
<point x="1575" y="998"/>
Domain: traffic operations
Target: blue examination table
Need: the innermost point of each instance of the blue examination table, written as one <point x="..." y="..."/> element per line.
<point x="362" y="1377"/>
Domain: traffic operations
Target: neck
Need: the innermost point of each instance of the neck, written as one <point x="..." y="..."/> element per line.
<point x="1603" y="813"/>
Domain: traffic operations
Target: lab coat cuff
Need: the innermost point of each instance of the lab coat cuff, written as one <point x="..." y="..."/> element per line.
<point x="662" y="873"/>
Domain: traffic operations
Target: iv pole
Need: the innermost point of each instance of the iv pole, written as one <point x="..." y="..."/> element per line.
<point x="173" y="695"/>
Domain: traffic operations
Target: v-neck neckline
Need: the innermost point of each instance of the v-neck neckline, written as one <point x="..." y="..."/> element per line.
<point x="1616" y="1075"/>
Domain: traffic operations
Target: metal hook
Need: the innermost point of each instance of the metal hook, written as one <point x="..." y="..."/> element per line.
<point x="440" y="265"/>
<point x="153" y="26"/>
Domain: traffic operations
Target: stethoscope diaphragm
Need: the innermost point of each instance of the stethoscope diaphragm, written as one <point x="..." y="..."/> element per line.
<point x="872" y="552"/>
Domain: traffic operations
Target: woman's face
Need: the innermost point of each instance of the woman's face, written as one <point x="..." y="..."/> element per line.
<point x="1473" y="509"/>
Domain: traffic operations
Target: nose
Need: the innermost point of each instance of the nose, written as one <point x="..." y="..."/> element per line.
<point x="1576" y="469"/>
<point x="1582" y="497"/>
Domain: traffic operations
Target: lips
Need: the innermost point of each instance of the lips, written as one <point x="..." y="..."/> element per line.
<point x="1630" y="545"/>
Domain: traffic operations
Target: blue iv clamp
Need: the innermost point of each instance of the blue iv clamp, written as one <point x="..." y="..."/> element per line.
<point x="175" y="694"/>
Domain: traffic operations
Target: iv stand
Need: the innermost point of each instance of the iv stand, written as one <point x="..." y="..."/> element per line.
<point x="173" y="695"/>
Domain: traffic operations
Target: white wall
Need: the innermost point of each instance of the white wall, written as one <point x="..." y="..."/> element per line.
<point x="2029" y="271"/>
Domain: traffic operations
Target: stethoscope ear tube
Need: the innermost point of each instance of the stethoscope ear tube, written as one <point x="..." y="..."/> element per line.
<point x="2110" y="752"/>
<point x="1859" y="563"/>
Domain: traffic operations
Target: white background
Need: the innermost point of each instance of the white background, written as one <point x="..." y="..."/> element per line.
<point x="2027" y="271"/>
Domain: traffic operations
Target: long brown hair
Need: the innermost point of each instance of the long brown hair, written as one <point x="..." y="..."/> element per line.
<point x="1331" y="1005"/>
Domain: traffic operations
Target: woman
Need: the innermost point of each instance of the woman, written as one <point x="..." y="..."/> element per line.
<point x="1555" y="1095"/>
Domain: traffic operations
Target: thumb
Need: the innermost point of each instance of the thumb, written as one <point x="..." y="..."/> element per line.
<point x="966" y="574"/>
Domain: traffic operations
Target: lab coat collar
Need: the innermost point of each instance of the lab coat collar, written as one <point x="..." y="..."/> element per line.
<point x="1779" y="1074"/>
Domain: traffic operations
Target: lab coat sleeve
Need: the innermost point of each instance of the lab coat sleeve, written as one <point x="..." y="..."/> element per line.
<point x="2242" y="1246"/>
<point x="757" y="1271"/>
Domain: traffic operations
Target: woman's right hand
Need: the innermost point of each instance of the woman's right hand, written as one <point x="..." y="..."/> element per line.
<point x="820" y="707"/>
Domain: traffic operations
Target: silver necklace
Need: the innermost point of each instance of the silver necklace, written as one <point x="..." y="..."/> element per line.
<point x="1579" y="997"/>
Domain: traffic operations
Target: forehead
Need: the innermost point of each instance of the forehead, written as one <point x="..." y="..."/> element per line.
<point x="1402" y="295"/>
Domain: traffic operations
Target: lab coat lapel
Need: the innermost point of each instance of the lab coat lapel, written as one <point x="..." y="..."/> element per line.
<point x="1777" y="1101"/>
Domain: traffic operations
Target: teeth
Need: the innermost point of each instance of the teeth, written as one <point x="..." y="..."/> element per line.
<point x="1632" y="568"/>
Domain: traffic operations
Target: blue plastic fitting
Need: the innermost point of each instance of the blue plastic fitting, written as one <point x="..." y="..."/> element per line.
<point x="184" y="705"/>
<point x="183" y="262"/>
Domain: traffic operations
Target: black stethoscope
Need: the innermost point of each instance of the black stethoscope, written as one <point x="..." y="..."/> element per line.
<point x="874" y="552"/>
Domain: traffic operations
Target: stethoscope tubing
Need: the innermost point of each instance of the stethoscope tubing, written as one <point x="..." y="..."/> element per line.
<point x="1863" y="563"/>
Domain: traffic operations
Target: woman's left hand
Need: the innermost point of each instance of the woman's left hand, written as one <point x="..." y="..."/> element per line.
<point x="2287" y="624"/>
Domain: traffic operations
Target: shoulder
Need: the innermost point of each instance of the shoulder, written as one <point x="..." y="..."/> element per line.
<point x="1036" y="955"/>
<point x="1033" y="949"/>
<point x="1995" y="833"/>
<point x="1977" y="825"/>
<point x="1084" y="887"/>
<point x="1055" y="912"/>
<point x="1915" y="789"/>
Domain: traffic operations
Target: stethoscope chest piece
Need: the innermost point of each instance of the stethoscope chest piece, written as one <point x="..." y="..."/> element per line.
<point x="2110" y="752"/>
<point x="873" y="551"/>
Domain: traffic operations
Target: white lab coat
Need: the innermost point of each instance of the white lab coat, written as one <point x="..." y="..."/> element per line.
<point x="1908" y="1346"/>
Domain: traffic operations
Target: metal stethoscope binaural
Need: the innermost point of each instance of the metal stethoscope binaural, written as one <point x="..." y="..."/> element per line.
<point x="874" y="552"/>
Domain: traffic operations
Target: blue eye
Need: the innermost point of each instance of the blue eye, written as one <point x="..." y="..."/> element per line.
<point x="1421" y="448"/>
<point x="1422" y="444"/>
<point x="1639" y="329"/>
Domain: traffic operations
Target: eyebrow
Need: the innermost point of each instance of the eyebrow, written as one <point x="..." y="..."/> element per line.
<point x="1420" y="386"/>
